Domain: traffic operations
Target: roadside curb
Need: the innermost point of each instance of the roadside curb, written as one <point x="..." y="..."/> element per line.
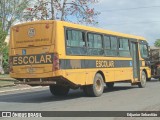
<point x="7" y="86"/>
<point x="7" y="79"/>
<point x="7" y="82"/>
<point x="25" y="88"/>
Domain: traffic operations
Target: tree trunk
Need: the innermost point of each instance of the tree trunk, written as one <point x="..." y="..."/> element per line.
<point x="52" y="10"/>
<point x="63" y="8"/>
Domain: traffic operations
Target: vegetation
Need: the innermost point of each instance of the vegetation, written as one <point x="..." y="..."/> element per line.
<point x="157" y="43"/>
<point x="11" y="11"/>
<point x="3" y="47"/>
<point x="77" y="11"/>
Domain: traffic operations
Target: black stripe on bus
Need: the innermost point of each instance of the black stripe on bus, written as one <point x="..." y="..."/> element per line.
<point x="82" y="64"/>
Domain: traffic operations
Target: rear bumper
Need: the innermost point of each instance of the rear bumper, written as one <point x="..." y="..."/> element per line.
<point x="27" y="75"/>
<point x="43" y="83"/>
<point x="38" y="81"/>
<point x="58" y="80"/>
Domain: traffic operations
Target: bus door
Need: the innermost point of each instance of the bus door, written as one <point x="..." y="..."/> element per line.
<point x="135" y="60"/>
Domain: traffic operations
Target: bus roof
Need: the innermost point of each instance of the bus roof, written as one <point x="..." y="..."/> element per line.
<point x="92" y="29"/>
<point x="99" y="30"/>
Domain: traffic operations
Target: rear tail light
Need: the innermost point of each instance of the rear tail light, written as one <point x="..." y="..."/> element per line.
<point x="55" y="62"/>
<point x="10" y="65"/>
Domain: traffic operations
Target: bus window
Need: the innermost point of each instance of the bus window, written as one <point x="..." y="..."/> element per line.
<point x="124" y="47"/>
<point x="114" y="46"/>
<point x="75" y="42"/>
<point x="95" y="44"/>
<point x="107" y="42"/>
<point x="90" y="40"/>
<point x="107" y="46"/>
<point x="144" y="50"/>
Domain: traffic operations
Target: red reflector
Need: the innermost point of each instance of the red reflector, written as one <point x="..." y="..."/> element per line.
<point x="17" y="29"/>
<point x="47" y="26"/>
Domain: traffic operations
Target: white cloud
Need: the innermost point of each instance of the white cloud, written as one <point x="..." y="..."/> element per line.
<point x="132" y="21"/>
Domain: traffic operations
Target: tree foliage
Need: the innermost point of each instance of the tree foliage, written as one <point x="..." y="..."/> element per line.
<point x="157" y="43"/>
<point x="5" y="62"/>
<point x="11" y="11"/>
<point x="79" y="11"/>
<point x="2" y="39"/>
<point x="3" y="48"/>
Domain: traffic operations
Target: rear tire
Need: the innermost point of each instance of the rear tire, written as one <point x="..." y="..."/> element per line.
<point x="110" y="85"/>
<point x="58" y="90"/>
<point x="97" y="88"/>
<point x="143" y="79"/>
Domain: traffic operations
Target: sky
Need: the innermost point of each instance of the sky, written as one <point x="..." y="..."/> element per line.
<point x="138" y="17"/>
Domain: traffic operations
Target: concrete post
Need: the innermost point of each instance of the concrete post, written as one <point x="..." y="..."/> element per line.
<point x="1" y="66"/>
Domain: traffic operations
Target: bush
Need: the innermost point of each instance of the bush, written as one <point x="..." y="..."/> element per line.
<point x="5" y="62"/>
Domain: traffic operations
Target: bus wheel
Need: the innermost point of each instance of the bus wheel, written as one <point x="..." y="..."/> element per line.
<point x="58" y="90"/>
<point x="110" y="85"/>
<point x="143" y="79"/>
<point x="97" y="88"/>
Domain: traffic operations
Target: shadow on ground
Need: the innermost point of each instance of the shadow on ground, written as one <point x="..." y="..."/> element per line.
<point x="45" y="96"/>
<point x="154" y="80"/>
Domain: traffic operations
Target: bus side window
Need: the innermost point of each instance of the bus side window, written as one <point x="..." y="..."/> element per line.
<point x="124" y="47"/>
<point x="69" y="37"/>
<point x="144" y="51"/>
<point x="95" y="44"/>
<point x="107" y="45"/>
<point x="90" y="40"/>
<point x="75" y="42"/>
<point x="114" y="46"/>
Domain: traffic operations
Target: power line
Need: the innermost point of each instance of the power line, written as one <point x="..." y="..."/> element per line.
<point x="144" y="22"/>
<point x="145" y="7"/>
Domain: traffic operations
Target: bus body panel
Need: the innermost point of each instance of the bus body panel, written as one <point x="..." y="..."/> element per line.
<point x="32" y="46"/>
<point x="76" y="74"/>
<point x="32" y="34"/>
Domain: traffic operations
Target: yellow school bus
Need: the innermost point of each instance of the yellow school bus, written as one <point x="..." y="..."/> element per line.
<point x="67" y="56"/>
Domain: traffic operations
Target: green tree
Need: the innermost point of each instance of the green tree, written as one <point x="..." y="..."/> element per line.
<point x="5" y="59"/>
<point x="157" y="43"/>
<point x="3" y="48"/>
<point x="2" y="39"/>
<point x="11" y="11"/>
